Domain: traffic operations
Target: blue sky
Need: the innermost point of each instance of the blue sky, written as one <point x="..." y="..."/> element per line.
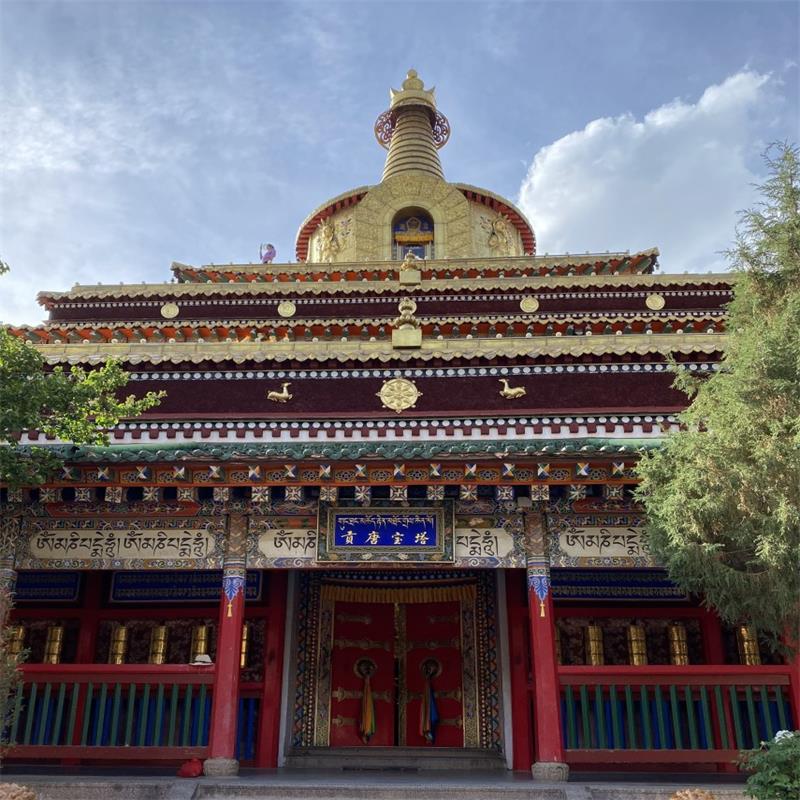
<point x="134" y="134"/>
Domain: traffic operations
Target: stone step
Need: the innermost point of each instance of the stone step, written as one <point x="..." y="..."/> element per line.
<point x="401" y="759"/>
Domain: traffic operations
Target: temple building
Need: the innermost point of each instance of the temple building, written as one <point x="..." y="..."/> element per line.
<point x="385" y="514"/>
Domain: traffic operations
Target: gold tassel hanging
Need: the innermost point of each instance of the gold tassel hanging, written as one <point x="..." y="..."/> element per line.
<point x="595" y="654"/>
<point x="678" y="645"/>
<point x="637" y="645"/>
<point x="119" y="645"/>
<point x="747" y="640"/>
<point x="158" y="645"/>
<point x="54" y="644"/>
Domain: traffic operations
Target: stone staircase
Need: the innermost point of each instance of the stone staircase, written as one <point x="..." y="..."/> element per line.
<point x="457" y="760"/>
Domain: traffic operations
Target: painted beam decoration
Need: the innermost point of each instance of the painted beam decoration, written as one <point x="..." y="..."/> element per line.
<point x="176" y="586"/>
<point x="413" y="535"/>
<point x="598" y="540"/>
<point x="282" y="541"/>
<point x="140" y="543"/>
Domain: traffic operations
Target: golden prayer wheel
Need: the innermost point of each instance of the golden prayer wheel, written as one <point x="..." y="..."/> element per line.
<point x="559" y="659"/>
<point x="245" y="645"/>
<point x="749" y="653"/>
<point x="118" y="649"/>
<point x="637" y="645"/>
<point x="678" y="646"/>
<point x="53" y="645"/>
<point x="16" y="639"/>
<point x="158" y="645"/>
<point x="595" y="655"/>
<point x="199" y="641"/>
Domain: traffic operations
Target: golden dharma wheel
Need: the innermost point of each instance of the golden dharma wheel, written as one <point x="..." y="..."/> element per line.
<point x="655" y="302"/>
<point x="170" y="310"/>
<point x="399" y="394"/>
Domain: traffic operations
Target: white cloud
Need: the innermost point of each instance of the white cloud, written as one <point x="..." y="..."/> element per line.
<point x="675" y="179"/>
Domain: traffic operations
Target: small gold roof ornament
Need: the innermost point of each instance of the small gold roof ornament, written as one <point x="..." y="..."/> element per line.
<point x="170" y="310"/>
<point x="410" y="273"/>
<point x="408" y="332"/>
<point x="286" y="308"/>
<point x="655" y="302"/>
<point x="399" y="394"/>
<point x="529" y="304"/>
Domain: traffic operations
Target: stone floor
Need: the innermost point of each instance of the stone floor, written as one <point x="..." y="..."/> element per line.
<point x="339" y="785"/>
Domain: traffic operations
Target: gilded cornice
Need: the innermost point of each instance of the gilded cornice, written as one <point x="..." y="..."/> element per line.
<point x="381" y="351"/>
<point x="570" y="261"/>
<point x="564" y="282"/>
<point x="263" y="323"/>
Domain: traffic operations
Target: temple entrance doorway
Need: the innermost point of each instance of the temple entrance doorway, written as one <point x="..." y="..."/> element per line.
<point x="400" y="660"/>
<point x="396" y="675"/>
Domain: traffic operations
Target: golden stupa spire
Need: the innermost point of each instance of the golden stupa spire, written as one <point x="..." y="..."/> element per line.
<point x="412" y="129"/>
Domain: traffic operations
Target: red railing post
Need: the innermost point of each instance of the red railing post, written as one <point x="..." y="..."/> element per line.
<point x="225" y="701"/>
<point x="549" y="764"/>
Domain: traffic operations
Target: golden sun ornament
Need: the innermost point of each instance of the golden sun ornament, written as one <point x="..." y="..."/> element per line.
<point x="399" y="394"/>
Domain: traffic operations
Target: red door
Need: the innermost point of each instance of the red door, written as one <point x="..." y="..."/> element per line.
<point x="433" y="675"/>
<point x="363" y="658"/>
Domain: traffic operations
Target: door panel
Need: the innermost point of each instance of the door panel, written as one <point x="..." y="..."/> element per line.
<point x="433" y="657"/>
<point x="363" y="634"/>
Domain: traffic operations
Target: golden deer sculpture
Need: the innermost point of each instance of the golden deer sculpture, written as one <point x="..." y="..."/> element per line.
<point x="283" y="396"/>
<point x="511" y="392"/>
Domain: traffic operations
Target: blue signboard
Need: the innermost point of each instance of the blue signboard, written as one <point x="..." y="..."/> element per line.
<point x="386" y="534"/>
<point x="179" y="586"/>
<point x="386" y="530"/>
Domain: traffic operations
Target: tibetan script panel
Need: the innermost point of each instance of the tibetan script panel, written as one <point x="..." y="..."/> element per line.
<point x="157" y="543"/>
<point x="278" y="541"/>
<point x="598" y="540"/>
<point x="386" y="534"/>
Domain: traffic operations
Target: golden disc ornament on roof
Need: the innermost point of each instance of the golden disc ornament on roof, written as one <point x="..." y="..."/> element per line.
<point x="399" y="394"/>
<point x="529" y="304"/>
<point x="170" y="310"/>
<point x="286" y="308"/>
<point x="655" y="302"/>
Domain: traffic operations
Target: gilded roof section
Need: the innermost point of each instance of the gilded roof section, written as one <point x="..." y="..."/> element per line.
<point x="564" y="282"/>
<point x="381" y="351"/>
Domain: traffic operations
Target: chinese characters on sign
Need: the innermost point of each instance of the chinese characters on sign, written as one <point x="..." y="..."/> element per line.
<point x="386" y="534"/>
<point x="386" y="530"/>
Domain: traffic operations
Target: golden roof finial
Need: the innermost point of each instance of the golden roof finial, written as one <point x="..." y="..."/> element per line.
<point x="412" y="129"/>
<point x="413" y="92"/>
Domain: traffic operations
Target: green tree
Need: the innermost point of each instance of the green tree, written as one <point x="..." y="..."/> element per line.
<point x="722" y="496"/>
<point x="75" y="405"/>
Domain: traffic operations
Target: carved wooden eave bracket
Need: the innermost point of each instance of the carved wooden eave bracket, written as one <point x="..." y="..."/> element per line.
<point x="358" y="351"/>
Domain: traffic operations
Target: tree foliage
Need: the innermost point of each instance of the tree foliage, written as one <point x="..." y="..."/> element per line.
<point x="722" y="495"/>
<point x="74" y="405"/>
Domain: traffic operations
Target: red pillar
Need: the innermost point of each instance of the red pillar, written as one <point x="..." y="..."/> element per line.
<point x="713" y="645"/>
<point x="549" y="764"/>
<point x="225" y="704"/>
